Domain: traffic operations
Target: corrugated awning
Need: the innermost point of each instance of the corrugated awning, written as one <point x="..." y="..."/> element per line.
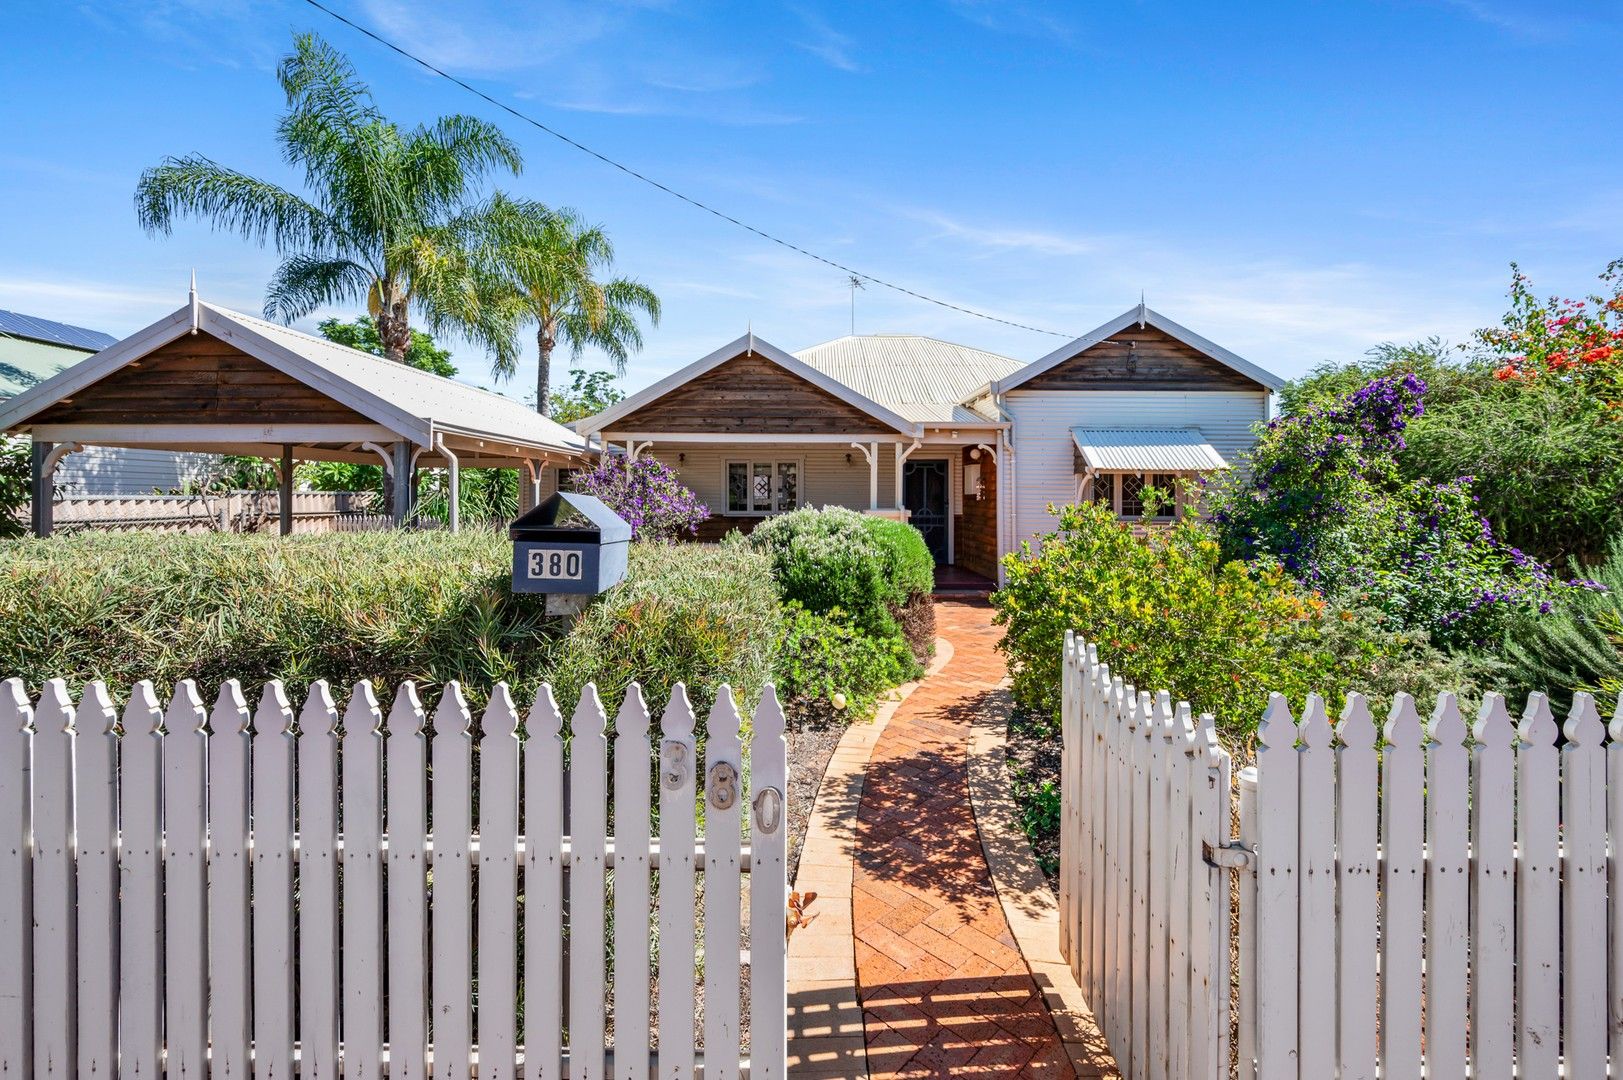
<point x="1146" y="450"/>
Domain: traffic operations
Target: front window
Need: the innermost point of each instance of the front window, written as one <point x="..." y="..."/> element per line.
<point x="569" y="479"/>
<point x="1124" y="492"/>
<point x="762" y="487"/>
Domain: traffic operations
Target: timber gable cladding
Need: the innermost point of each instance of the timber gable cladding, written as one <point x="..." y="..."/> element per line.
<point x="199" y="379"/>
<point x="750" y="395"/>
<point x="1141" y="358"/>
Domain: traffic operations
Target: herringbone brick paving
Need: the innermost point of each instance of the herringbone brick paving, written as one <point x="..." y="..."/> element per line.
<point x="944" y="989"/>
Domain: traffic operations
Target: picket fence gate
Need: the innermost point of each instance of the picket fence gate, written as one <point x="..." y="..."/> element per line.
<point x="194" y="892"/>
<point x="1414" y="899"/>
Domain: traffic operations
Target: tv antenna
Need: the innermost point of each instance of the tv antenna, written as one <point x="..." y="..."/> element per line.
<point x="855" y="283"/>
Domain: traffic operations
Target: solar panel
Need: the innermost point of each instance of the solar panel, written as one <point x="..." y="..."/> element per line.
<point x="36" y="329"/>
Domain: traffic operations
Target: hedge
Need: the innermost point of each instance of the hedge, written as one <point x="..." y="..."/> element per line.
<point x="429" y="606"/>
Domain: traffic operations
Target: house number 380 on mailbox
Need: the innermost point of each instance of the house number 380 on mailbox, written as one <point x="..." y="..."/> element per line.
<point x="554" y="565"/>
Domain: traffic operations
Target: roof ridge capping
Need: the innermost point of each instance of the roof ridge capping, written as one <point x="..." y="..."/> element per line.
<point x="1145" y="316"/>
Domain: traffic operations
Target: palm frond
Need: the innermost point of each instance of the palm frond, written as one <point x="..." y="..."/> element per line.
<point x="256" y="209"/>
<point x="324" y="94"/>
<point x="305" y="282"/>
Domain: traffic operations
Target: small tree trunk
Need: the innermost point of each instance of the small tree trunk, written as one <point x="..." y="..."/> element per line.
<point x="394" y="331"/>
<point x="543" y="369"/>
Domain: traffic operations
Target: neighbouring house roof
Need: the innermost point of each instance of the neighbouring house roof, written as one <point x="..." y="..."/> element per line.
<point x="1146" y="450"/>
<point x="924" y="379"/>
<point x="750" y="344"/>
<point x="16" y="324"/>
<point x="34" y="349"/>
<point x="1143" y="316"/>
<point x="414" y="404"/>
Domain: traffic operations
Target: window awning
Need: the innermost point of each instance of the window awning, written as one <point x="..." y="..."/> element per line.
<point x="1143" y="450"/>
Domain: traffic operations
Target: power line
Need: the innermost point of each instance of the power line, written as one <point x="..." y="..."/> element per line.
<point x="691" y="201"/>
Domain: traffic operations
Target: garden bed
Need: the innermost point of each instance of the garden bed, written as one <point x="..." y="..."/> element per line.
<point x="1032" y="760"/>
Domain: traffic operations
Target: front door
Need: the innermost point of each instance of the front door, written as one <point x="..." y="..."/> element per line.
<point x="924" y="493"/>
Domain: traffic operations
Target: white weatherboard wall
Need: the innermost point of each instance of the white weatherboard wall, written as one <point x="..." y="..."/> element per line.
<point x="147" y="885"/>
<point x="106" y="470"/>
<point x="1044" y="461"/>
<point x="825" y="478"/>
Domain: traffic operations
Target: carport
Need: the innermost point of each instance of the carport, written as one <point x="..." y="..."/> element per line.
<point x="207" y="379"/>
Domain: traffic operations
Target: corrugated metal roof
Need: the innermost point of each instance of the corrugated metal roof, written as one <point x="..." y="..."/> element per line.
<point x="1147" y="449"/>
<point x="920" y="378"/>
<point x="433" y="398"/>
<point x="56" y="333"/>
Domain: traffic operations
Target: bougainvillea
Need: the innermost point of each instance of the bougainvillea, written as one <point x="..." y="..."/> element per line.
<point x="648" y="496"/>
<point x="1561" y="337"/>
<point x="1321" y="493"/>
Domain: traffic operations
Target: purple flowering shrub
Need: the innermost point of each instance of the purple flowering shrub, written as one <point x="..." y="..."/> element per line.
<point x="648" y="496"/>
<point x="1321" y="494"/>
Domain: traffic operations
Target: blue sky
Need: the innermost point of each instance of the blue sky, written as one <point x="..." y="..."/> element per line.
<point x="1297" y="181"/>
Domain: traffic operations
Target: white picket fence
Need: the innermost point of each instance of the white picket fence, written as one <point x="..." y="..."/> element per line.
<point x="194" y="892"/>
<point x="1422" y="897"/>
<point x="1144" y="917"/>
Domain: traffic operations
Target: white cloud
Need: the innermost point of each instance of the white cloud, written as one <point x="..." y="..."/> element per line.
<point x="828" y="44"/>
<point x="1002" y="238"/>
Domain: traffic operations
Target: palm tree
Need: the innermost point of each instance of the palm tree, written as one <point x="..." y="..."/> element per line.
<point x="387" y="213"/>
<point x="549" y="266"/>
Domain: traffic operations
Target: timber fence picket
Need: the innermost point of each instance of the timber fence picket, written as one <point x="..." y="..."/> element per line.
<point x="230" y="891"/>
<point x="1429" y="898"/>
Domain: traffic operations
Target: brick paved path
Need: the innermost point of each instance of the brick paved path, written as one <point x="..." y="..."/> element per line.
<point x="944" y="990"/>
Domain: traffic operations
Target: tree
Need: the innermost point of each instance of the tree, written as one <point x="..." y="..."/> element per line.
<point x="1529" y="408"/>
<point x="387" y="216"/>
<point x="363" y="334"/>
<point x="16" y="482"/>
<point x="549" y="266"/>
<point x="589" y="393"/>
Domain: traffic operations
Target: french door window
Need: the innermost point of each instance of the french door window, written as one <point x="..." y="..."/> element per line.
<point x="762" y="487"/>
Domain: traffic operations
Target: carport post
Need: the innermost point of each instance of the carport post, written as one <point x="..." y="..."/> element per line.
<point x="285" y="491"/>
<point x="402" y="482"/>
<point x="42" y="490"/>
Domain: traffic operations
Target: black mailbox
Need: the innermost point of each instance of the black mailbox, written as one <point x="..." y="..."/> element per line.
<point x="569" y="544"/>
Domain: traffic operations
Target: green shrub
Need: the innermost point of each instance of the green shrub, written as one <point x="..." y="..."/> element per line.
<point x="867" y="567"/>
<point x="1166" y="612"/>
<point x="829" y="671"/>
<point x="1579" y="645"/>
<point x="1322" y="494"/>
<point x="908" y="567"/>
<point x="685" y="613"/>
<point x="429" y="606"/>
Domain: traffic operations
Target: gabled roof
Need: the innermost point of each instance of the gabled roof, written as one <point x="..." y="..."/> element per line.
<point x="34" y="328"/>
<point x="1143" y="316"/>
<point x="414" y="404"/>
<point x="748" y="344"/>
<point x="1146" y="450"/>
<point x="922" y="378"/>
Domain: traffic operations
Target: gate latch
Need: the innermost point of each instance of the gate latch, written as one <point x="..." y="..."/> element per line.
<point x="1228" y="856"/>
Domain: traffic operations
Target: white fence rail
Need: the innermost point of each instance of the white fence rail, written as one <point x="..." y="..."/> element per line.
<point x="226" y="892"/>
<point x="1422" y="897"/>
<point x="235" y="511"/>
